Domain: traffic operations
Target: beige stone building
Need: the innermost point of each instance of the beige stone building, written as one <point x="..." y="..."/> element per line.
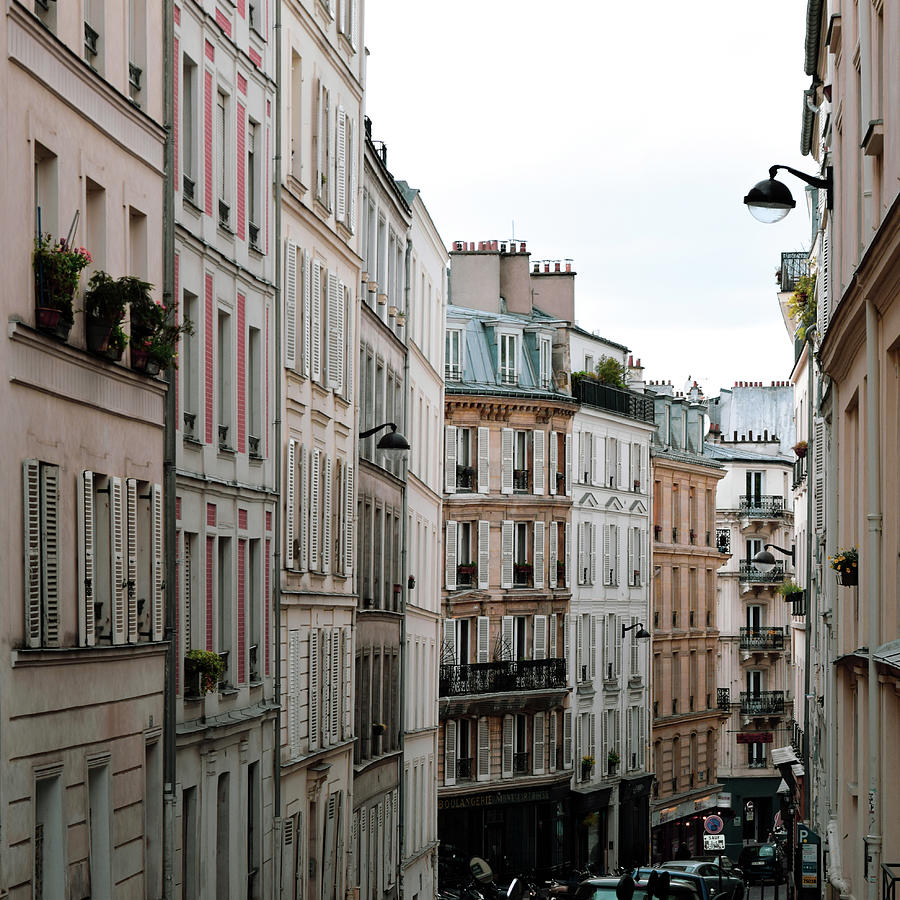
<point x="82" y="669"/>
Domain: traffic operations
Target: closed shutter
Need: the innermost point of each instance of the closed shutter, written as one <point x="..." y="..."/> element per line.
<point x="50" y="553"/>
<point x="450" y="445"/>
<point x="157" y="562"/>
<point x="313" y="683"/>
<point x="484" y="460"/>
<point x="568" y="465"/>
<point x="567" y="626"/>
<point x="610" y="468"/>
<point x="301" y="530"/>
<point x="592" y="549"/>
<point x="354" y="173"/>
<point x="117" y="559"/>
<point x="336" y="692"/>
<point x="324" y="685"/>
<point x="618" y="640"/>
<point x="506" y="637"/>
<point x="568" y="553"/>
<point x="506" y="552"/>
<point x="597" y="460"/>
<point x="316" y="322"/>
<point x="290" y="505"/>
<point x="582" y="550"/>
<point x="349" y="346"/>
<point x="617" y="718"/>
<point x="537" y="725"/>
<point x="818" y="454"/>
<point x="341" y="166"/>
<point x="593" y="645"/>
<point x="579" y="743"/>
<point x="642" y="565"/>
<point x="450" y="539"/>
<point x="614" y="550"/>
<point x="506" y="459"/>
<point x="540" y="637"/>
<point x="567" y="739"/>
<point x="554" y="460"/>
<point x="506" y="768"/>
<point x="551" y="729"/>
<point x="290" y="304"/>
<point x="307" y="314"/>
<point x="592" y="736"/>
<point x="483" y="638"/>
<point x="554" y="627"/>
<point x="607" y="573"/>
<point x="335" y="324"/>
<point x="538" y="566"/>
<point x="31" y="504"/>
<point x="450" y="729"/>
<point x="642" y="737"/>
<point x="348" y="682"/>
<point x="131" y="559"/>
<point x="326" y="515"/>
<point x="539" y="463"/>
<point x="630" y="552"/>
<point x="349" y="523"/>
<point x="621" y="464"/>
<point x="645" y="475"/>
<point x="484" y="554"/>
<point x="86" y="556"/>
<point x="315" y="518"/>
<point x="554" y="554"/>
<point x="579" y="647"/>
<point x="293" y="718"/>
<point x="484" y="749"/>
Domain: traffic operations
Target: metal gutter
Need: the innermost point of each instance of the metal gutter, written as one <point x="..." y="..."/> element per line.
<point x="813" y="27"/>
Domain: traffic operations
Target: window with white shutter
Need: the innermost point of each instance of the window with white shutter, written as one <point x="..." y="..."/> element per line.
<point x="538" y="562"/>
<point x="554" y="626"/>
<point x="315" y="516"/>
<point x="315" y="324"/>
<point x="568" y="465"/>
<point x="592" y="624"/>
<point x="347" y="681"/>
<point x="582" y="553"/>
<point x="507" y="625"/>
<point x="131" y="560"/>
<point x="86" y="558"/>
<point x="450" y="553"/>
<point x="290" y="304"/>
<point x="580" y="674"/>
<point x="294" y="699"/>
<point x="592" y="548"/>
<point x="448" y="650"/>
<point x="349" y="524"/>
<point x="506" y="750"/>
<point x="450" y="733"/>
<point x="335" y="685"/>
<point x="306" y="349"/>
<point x="567" y="739"/>
<point x="597" y="460"/>
<point x="568" y="553"/>
<point x="539" y="462"/>
<point x="506" y="552"/>
<point x="450" y="450"/>
<point x="327" y="485"/>
<point x="313" y="688"/>
<point x="537" y="725"/>
<point x="484" y="749"/>
<point x="612" y="455"/>
<point x="818" y="455"/>
<point x="554" y="460"/>
<point x="157" y="563"/>
<point x="290" y="528"/>
<point x="483" y="639"/>
<point x="506" y="460"/>
<point x="552" y="571"/>
<point x="607" y="562"/>
<point x="117" y="559"/>
<point x="540" y="637"/>
<point x="41" y="539"/>
<point x="618" y="640"/>
<point x="340" y="210"/>
<point x="484" y="554"/>
<point x="551" y="739"/>
<point x="567" y="627"/>
<point x="484" y="460"/>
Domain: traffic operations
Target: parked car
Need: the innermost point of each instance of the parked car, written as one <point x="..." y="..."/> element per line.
<point x="721" y="880"/>
<point x="726" y="862"/>
<point x="763" y="862"/>
<point x="686" y="887"/>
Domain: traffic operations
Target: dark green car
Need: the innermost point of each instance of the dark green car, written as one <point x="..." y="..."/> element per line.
<point x="763" y="862"/>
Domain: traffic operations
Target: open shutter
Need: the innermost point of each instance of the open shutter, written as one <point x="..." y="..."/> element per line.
<point x="450" y="445"/>
<point x="324" y="685"/>
<point x="605" y="740"/>
<point x="618" y="640"/>
<point x="313" y="682"/>
<point x="450" y="729"/>
<point x="540" y="637"/>
<point x="579" y="443"/>
<point x="506" y="637"/>
<point x="644" y="538"/>
<point x="642" y="737"/>
<point x="326" y="514"/>
<point x="157" y="562"/>
<point x="348" y="682"/>
<point x="354" y="173"/>
<point x="290" y="304"/>
<point x="348" y="348"/>
<point x="316" y="322"/>
<point x="537" y="725"/>
<point x="551" y="739"/>
<point x="293" y="718"/>
<point x="554" y="626"/>
<point x="335" y="323"/>
<point x="506" y="550"/>
<point x="630" y="551"/>
<point x="506" y="459"/>
<point x="567" y="739"/>
<point x="341" y="166"/>
<point x="593" y="646"/>
<point x="579" y="647"/>
<point x="336" y="692"/>
<point x="554" y="553"/>
<point x="568" y="465"/>
<point x="484" y="554"/>
<point x="592" y="736"/>
<point x="582" y="550"/>
<point x="484" y="749"/>
<point x="86" y="574"/>
<point x="314" y="515"/>
<point x="31" y="504"/>
<point x="301" y="529"/>
<point x="539" y="462"/>
<point x="538" y="566"/>
<point x="622" y="464"/>
<point x="645" y="475"/>
<point x="818" y="455"/>
<point x="117" y="559"/>
<point x="506" y="754"/>
<point x="592" y="553"/>
<point x="50" y="554"/>
<point x="554" y="461"/>
<point x="568" y="554"/>
<point x="290" y="505"/>
<point x="450" y="555"/>
<point x="597" y="461"/>
<point x="348" y="523"/>
<point x="307" y="314"/>
<point x="484" y="460"/>
<point x="607" y="574"/>
<point x="483" y="632"/>
<point x="131" y="558"/>
<point x="448" y="651"/>
<point x="616" y="529"/>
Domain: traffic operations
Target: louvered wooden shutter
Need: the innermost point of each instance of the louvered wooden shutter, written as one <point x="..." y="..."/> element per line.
<point x="483" y="632"/>
<point x="307" y="314"/>
<point x="568" y="465"/>
<point x="293" y="722"/>
<point x="290" y="531"/>
<point x="823" y="308"/>
<point x="50" y="554"/>
<point x="506" y="750"/>
<point x="506" y="459"/>
<point x="537" y="725"/>
<point x="540" y="637"/>
<point x="290" y="304"/>
<point x="349" y="523"/>
<point x="450" y="445"/>
<point x="484" y="554"/>
<point x="818" y="455"/>
<point x="484" y="749"/>
<point x="592" y="551"/>
<point x="349" y="346"/>
<point x="554" y="460"/>
<point x="315" y="517"/>
<point x="593" y="645"/>
<point x="642" y="737"/>
<point x="551" y="728"/>
<point x="31" y="505"/>
<point x="567" y="632"/>
<point x="484" y="460"/>
<point x="610" y="468"/>
<point x="86" y="556"/>
<point x="618" y="640"/>
<point x="582" y="553"/>
<point x="313" y="687"/>
<point x="326" y="687"/>
<point x="539" y="464"/>
<point x="348" y="682"/>
<point x="554" y="553"/>
<point x="597" y="460"/>
<point x="538" y="565"/>
<point x="506" y="550"/>
<point x="579" y="443"/>
<point x="302" y="527"/>
<point x="506" y="637"/>
<point x="316" y="322"/>
<point x="450" y="539"/>
<point x="630" y="553"/>
<point x="335" y="324"/>
<point x="614" y="551"/>
<point x="450" y="729"/>
<point x="554" y="627"/>
<point x="341" y="166"/>
<point x="567" y="738"/>
<point x="579" y="647"/>
<point x="568" y="554"/>
<point x="157" y="562"/>
<point x="336" y="692"/>
<point x="131" y="558"/>
<point x="354" y="171"/>
<point x="643" y="538"/>
<point x="592" y="735"/>
<point x="326" y="514"/>
<point x="448" y="652"/>
<point x="117" y="560"/>
<point x="607" y="573"/>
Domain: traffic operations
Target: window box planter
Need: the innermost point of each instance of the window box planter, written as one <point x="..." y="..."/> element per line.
<point x="612" y="762"/>
<point x="587" y="767"/>
<point x="141" y="361"/>
<point x="203" y="670"/>
<point x="57" y="269"/>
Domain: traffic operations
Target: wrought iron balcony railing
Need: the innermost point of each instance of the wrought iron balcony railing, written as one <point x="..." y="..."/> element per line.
<point x="799" y="471"/>
<point x="502" y="676"/>
<point x="521" y="481"/>
<point x="520" y="763"/>
<point x="464" y="769"/>
<point x="762" y="638"/>
<point x="764" y="703"/>
<point x="604" y="396"/>
<point x="723" y="540"/>
<point x="465" y="478"/>
<point x="793" y="265"/>
<point x="749" y="572"/>
<point x="761" y="506"/>
<point x="723" y="699"/>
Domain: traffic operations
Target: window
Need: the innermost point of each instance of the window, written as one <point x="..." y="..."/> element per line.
<point x="507" y="359"/>
<point x="254" y="609"/>
<point x="586" y="457"/>
<point x="545" y="362"/>
<point x="99" y="823"/>
<point x="137" y="238"/>
<point x="224" y="585"/>
<point x="190" y="367"/>
<point x="46" y="189"/>
<point x="453" y="362"/>
<point x="137" y="49"/>
<point x="41" y="539"/>
<point x="323" y="147"/>
<point x="296" y="113"/>
<point x="754" y="488"/>
<point x="223" y="835"/>
<point x="222" y="160"/>
<point x="225" y="374"/>
<point x="188" y="136"/>
<point x="756" y="755"/>
<point x="93" y="23"/>
<point x="153" y="818"/>
<point x="348" y="20"/>
<point x="254" y="391"/>
<point x="95" y="224"/>
<point x="253" y="211"/>
<point x="588" y="362"/>
<point x="253" y="830"/>
<point x="49" y="839"/>
<point x="189" y="859"/>
<point x="45" y="10"/>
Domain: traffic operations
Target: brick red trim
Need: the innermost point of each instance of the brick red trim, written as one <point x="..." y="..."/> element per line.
<point x="242" y="519"/>
<point x="241" y="375"/>
<point x="268" y="637"/>
<point x="208" y="141"/>
<point x="223" y="22"/>
<point x="177" y="15"/>
<point x="178" y="509"/>
<point x="268" y="188"/>
<point x="242" y="83"/>
<point x="241" y="144"/>
<point x="178" y="570"/>
<point x="177" y="305"/>
<point x="241" y="612"/>
<point x="257" y="59"/>
<point x="268" y="520"/>
<point x="210" y="51"/>
<point x="241" y="9"/>
<point x="210" y="549"/>
<point x="211" y="514"/>
<point x="208" y="388"/>
<point x="177" y="75"/>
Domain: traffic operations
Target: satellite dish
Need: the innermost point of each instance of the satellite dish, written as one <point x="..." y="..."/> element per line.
<point x="707" y="424"/>
<point x="480" y="870"/>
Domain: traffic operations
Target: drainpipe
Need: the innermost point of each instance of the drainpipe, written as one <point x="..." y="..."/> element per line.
<point x="276" y="593"/>
<point x="168" y="249"/>
<point x="810" y="594"/>
<point x="835" y="873"/>
<point x="865" y="95"/>
<point x="873" y="592"/>
<point x="404" y="586"/>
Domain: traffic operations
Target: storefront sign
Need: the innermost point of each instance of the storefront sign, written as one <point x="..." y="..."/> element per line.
<point x="495" y="798"/>
<point x="755" y="737"/>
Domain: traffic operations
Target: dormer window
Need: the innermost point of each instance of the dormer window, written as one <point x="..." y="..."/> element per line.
<point x="507" y="359"/>
<point x="546" y="374"/>
<point x="453" y="355"/>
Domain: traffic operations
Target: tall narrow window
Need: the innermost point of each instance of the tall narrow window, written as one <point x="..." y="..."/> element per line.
<point x="222" y="160"/>
<point x="99" y="814"/>
<point x="545" y="362"/>
<point x="190" y="367"/>
<point x="453" y="355"/>
<point x="46" y="189"/>
<point x="95" y="222"/>
<point x="188" y="113"/>
<point x="296" y="116"/>
<point x="507" y="359"/>
<point x="323" y="147"/>
<point x="225" y="376"/>
<point x="225" y="604"/>
<point x="253" y="835"/>
<point x="252" y="183"/>
<point x="153" y="825"/>
<point x="137" y="238"/>
<point x="49" y="849"/>
<point x="189" y="858"/>
<point x="254" y="391"/>
<point x="254" y="610"/>
<point x="137" y="48"/>
<point x="223" y="836"/>
<point x="93" y="34"/>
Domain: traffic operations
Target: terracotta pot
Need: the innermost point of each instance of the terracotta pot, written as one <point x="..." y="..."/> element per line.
<point x="47" y="318"/>
<point x="141" y="362"/>
<point x="97" y="333"/>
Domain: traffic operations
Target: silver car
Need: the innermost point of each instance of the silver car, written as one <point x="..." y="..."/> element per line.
<point x="721" y="879"/>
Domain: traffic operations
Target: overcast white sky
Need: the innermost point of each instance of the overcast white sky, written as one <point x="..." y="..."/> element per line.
<point x="621" y="134"/>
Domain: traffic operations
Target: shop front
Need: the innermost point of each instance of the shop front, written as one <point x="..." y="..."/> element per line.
<point x="679" y="827"/>
<point x="634" y="821"/>
<point x="755" y="804"/>
<point x="590" y="828"/>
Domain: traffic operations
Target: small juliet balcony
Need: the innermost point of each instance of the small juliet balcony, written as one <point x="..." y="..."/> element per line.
<point x="763" y="703"/>
<point x="465" y="479"/>
<point x="800" y="469"/>
<point x="523" y="575"/>
<point x="749" y="573"/>
<point x="761" y="506"/>
<point x="466" y="574"/>
<point x="762" y="639"/>
<point x="464" y="769"/>
<point x="521" y="481"/>
<point x="502" y="676"/>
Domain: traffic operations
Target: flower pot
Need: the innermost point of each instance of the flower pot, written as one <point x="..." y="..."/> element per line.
<point x="141" y="362"/>
<point x="47" y="318"/>
<point x="115" y="353"/>
<point x="97" y="334"/>
<point x="801" y="453"/>
<point x="848" y="577"/>
<point x="586" y="771"/>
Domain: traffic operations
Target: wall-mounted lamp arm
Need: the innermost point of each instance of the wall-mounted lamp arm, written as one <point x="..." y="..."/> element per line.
<point x="370" y="431"/>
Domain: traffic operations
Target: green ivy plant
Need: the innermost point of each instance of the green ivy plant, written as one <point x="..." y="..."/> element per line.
<point x="802" y="305"/>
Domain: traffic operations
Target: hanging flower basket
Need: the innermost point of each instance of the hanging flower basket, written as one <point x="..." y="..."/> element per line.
<point x="849" y="578"/>
<point x="846" y="563"/>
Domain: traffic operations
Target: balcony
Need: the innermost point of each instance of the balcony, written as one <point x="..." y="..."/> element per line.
<point x="592" y="392"/>
<point x="521" y="481"/>
<point x="523" y="575"/>
<point x="757" y="764"/>
<point x="762" y="638"/>
<point x="750" y="573"/>
<point x="794" y="265"/>
<point x="502" y="676"/>
<point x="800" y="469"/>
<point x="763" y="703"/>
<point x="466" y="574"/>
<point x="761" y="506"/>
<point x="520" y="763"/>
<point x="464" y="769"/>
<point x="465" y="478"/>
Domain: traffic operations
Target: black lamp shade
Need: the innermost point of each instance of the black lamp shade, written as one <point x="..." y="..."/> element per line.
<point x="764" y="561"/>
<point x="769" y="201"/>
<point x="393" y="440"/>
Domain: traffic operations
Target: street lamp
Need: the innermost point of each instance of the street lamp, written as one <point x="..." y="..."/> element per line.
<point x="642" y="634"/>
<point x="765" y="561"/>
<point x="394" y="445"/>
<point x="770" y="200"/>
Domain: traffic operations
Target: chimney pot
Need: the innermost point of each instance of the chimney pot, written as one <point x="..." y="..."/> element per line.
<point x="522" y="247"/>
<point x="546" y="267"/>
<point x="556" y="267"/>
<point x="568" y="267"/>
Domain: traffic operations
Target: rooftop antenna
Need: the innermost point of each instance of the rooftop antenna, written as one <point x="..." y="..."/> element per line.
<point x="513" y="229"/>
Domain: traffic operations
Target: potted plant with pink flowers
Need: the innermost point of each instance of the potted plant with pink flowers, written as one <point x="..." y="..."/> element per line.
<point x="57" y="269"/>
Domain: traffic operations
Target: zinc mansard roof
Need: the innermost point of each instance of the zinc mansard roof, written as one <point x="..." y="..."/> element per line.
<point x="479" y="353"/>
<point x="730" y="453"/>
